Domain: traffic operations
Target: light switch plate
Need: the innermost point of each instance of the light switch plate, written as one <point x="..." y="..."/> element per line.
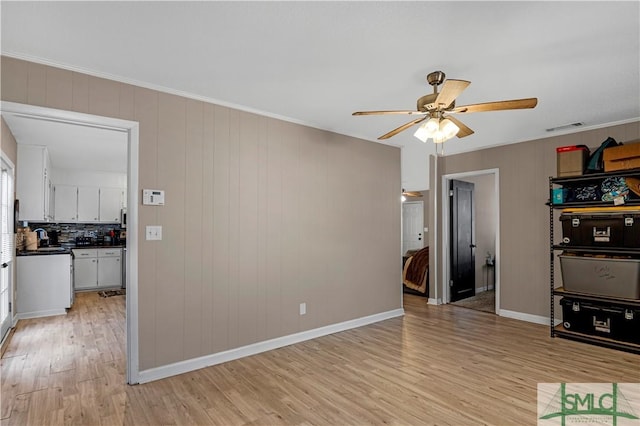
<point x="153" y="233"/>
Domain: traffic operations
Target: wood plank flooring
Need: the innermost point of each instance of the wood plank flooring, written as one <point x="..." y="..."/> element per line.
<point x="437" y="365"/>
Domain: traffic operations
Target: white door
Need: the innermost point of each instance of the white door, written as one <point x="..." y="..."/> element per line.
<point x="412" y="225"/>
<point x="7" y="245"/>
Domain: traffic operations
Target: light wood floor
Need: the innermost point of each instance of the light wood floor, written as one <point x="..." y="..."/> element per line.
<point x="437" y="365"/>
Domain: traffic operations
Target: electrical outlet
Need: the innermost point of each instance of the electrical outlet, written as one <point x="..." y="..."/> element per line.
<point x="303" y="308"/>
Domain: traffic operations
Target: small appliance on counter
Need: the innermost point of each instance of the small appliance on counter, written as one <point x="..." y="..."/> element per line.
<point x="43" y="238"/>
<point x="53" y="238"/>
<point x="83" y="241"/>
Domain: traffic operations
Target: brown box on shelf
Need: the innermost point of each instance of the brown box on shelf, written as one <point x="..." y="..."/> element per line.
<point x="622" y="157"/>
<point x="571" y="160"/>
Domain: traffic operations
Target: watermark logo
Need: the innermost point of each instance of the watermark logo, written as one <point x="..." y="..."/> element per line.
<point x="616" y="404"/>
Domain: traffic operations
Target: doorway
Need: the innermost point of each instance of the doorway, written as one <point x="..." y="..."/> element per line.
<point x="487" y="276"/>
<point x="463" y="237"/>
<point x="131" y="129"/>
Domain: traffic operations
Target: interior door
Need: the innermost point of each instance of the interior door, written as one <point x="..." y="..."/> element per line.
<point x="462" y="279"/>
<point x="7" y="250"/>
<point x="412" y="225"/>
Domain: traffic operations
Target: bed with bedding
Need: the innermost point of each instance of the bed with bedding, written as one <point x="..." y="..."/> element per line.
<point x="415" y="272"/>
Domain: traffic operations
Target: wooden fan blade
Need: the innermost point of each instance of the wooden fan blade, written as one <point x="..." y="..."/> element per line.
<point x="497" y="106"/>
<point x="412" y="194"/>
<point x="451" y="89"/>
<point x="400" y="112"/>
<point x="464" y="130"/>
<point x="401" y="128"/>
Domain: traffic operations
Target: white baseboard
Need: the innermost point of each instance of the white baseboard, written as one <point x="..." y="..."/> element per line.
<point x="186" y="366"/>
<point x="432" y="301"/>
<point x="39" y="314"/>
<point x="536" y="319"/>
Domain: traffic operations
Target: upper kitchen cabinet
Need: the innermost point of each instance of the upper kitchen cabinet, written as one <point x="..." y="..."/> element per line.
<point x="66" y="203"/>
<point x="111" y="203"/>
<point x="88" y="204"/>
<point x="33" y="183"/>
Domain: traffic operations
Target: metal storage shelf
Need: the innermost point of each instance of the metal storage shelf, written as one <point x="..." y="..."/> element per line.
<point x="631" y="202"/>
<point x="594" y="176"/>
<point x="560" y="291"/>
<point x="610" y="250"/>
<point x="559" y="331"/>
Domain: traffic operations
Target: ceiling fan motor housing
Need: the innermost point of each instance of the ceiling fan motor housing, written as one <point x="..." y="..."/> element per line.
<point x="427" y="103"/>
<point x="435" y="78"/>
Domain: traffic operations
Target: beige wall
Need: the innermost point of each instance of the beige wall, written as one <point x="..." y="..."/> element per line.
<point x="260" y="216"/>
<point x="524" y="218"/>
<point x="8" y="143"/>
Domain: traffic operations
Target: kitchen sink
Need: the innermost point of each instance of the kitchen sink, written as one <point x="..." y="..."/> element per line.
<point x="41" y="249"/>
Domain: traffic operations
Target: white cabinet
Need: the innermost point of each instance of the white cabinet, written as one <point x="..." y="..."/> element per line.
<point x="66" y="203"/>
<point x="94" y="269"/>
<point x="88" y="204"/>
<point x="110" y="267"/>
<point x="85" y="269"/>
<point x="43" y="285"/>
<point x="110" y="204"/>
<point x="33" y="183"/>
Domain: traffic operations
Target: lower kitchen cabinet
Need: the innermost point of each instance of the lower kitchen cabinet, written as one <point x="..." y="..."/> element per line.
<point x="97" y="268"/>
<point x="43" y="285"/>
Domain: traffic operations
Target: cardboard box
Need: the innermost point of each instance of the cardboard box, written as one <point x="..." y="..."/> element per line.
<point x="622" y="157"/>
<point x="572" y="160"/>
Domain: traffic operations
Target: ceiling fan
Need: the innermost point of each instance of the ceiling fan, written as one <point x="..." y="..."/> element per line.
<point x="435" y="110"/>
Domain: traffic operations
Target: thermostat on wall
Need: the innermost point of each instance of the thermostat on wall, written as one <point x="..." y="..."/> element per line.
<point x="153" y="197"/>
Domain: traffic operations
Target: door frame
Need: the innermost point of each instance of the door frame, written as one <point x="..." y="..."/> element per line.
<point x="446" y="234"/>
<point x="131" y="128"/>
<point x="12" y="275"/>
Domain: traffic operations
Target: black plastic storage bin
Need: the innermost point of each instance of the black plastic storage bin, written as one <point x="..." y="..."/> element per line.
<point x="601" y="229"/>
<point x="619" y="322"/>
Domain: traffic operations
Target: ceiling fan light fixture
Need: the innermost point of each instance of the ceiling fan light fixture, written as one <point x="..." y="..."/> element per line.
<point x="448" y="128"/>
<point x="422" y="133"/>
<point x="428" y="129"/>
<point x="439" y="137"/>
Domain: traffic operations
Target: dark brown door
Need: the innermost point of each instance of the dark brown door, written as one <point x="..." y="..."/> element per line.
<point x="463" y="270"/>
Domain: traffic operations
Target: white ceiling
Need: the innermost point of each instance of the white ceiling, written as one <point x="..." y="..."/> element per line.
<point x="315" y="63"/>
<point x="73" y="146"/>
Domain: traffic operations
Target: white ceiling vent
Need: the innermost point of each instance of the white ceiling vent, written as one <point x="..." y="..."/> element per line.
<point x="565" y="126"/>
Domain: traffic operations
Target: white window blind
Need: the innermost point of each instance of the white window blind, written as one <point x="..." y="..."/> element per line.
<point x="7" y="240"/>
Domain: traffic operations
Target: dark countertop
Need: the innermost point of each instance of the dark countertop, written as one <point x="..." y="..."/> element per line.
<point x="97" y="247"/>
<point x="61" y="250"/>
<point x="45" y="251"/>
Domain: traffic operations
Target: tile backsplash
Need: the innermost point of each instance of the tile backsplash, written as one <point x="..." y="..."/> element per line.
<point x="68" y="232"/>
